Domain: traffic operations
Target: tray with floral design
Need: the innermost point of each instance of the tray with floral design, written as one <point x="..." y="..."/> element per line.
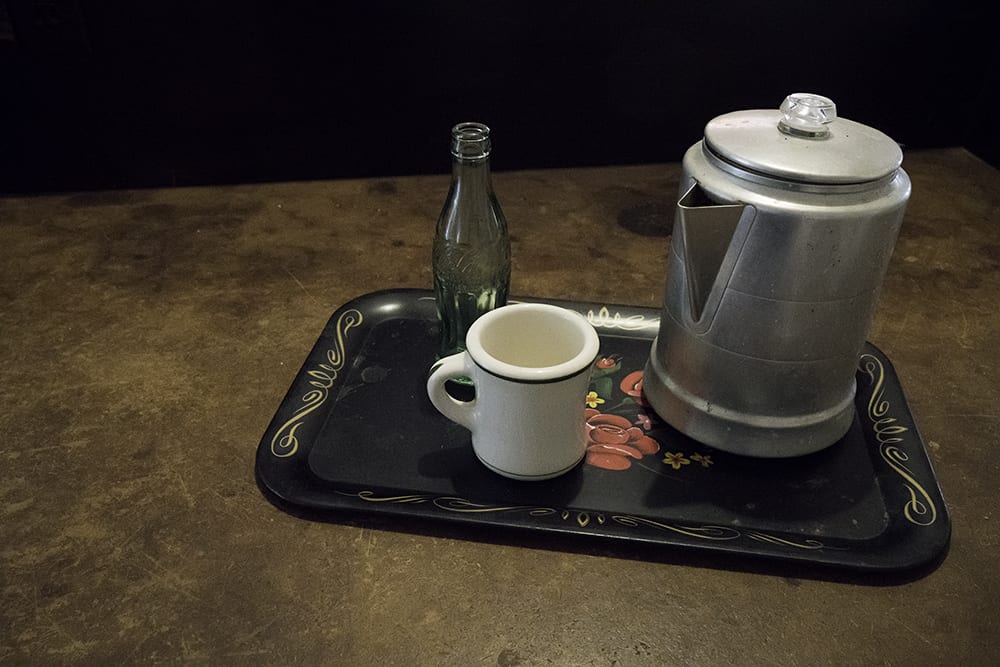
<point x="356" y="434"/>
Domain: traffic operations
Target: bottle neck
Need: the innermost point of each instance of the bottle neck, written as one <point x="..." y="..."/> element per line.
<point x="470" y="157"/>
<point x="473" y="174"/>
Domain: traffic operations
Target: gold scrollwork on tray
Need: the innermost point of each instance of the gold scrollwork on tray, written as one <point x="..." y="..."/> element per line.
<point x="920" y="508"/>
<point x="370" y="497"/>
<point x="321" y="379"/>
<point x="808" y="544"/>
<point x="604" y="318"/>
<point x="583" y="519"/>
<point x="715" y="533"/>
<point x="448" y="503"/>
<point x="723" y="533"/>
<point x="463" y="506"/>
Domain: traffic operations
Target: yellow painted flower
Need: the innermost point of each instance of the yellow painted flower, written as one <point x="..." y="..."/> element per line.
<point x="675" y="460"/>
<point x="593" y="400"/>
<point x="704" y="459"/>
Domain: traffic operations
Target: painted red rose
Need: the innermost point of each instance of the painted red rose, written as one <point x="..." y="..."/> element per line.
<point x="631" y="384"/>
<point x="606" y="362"/>
<point x="613" y="442"/>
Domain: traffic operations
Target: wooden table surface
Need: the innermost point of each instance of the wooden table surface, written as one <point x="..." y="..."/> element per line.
<point x="147" y="338"/>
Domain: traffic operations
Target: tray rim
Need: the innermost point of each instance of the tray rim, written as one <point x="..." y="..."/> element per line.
<point x="916" y="535"/>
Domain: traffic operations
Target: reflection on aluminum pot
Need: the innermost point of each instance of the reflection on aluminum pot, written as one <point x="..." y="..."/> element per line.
<point x="784" y="228"/>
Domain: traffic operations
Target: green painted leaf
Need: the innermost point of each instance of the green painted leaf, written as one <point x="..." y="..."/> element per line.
<point x="603" y="386"/>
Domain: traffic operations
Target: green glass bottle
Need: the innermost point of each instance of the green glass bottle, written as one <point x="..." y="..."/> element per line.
<point x="471" y="260"/>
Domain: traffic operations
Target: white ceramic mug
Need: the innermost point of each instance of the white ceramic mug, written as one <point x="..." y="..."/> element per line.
<point x="530" y="364"/>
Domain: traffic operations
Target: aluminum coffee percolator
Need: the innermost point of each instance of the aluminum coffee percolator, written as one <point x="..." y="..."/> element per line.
<point x="784" y="229"/>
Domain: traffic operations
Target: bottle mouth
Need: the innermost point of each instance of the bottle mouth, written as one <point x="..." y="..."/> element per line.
<point x="470" y="141"/>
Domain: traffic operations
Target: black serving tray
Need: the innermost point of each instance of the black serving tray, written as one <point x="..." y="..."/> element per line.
<point x="357" y="434"/>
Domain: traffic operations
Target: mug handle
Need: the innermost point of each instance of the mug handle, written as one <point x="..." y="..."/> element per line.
<point x="460" y="412"/>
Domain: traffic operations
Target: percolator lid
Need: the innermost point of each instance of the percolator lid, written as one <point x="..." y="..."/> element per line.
<point x="803" y="141"/>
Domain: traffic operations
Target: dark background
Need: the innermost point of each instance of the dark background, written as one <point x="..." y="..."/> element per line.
<point x="132" y="94"/>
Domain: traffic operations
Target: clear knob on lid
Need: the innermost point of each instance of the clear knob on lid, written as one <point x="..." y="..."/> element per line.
<point x="806" y="141"/>
<point x="807" y="115"/>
